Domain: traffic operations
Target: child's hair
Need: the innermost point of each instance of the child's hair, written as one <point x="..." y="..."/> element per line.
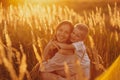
<point x="84" y="28"/>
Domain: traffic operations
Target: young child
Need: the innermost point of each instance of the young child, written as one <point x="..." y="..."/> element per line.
<point x="77" y="37"/>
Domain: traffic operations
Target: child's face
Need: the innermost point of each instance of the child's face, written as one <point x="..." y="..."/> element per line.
<point x="76" y="35"/>
<point x="63" y="33"/>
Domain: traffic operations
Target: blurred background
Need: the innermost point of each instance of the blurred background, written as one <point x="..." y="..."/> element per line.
<point x="26" y="26"/>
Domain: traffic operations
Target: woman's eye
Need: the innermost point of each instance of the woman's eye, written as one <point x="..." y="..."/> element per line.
<point x="60" y="30"/>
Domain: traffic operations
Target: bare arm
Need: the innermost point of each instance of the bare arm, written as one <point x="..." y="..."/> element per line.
<point x="46" y="52"/>
<point x="49" y="50"/>
<point x="66" y="52"/>
<point x="64" y="45"/>
<point x="65" y="49"/>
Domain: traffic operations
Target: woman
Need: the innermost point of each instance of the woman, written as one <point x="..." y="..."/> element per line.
<point x="62" y="35"/>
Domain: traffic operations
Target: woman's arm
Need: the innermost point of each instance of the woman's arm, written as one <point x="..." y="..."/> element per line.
<point x="46" y="52"/>
<point x="49" y="50"/>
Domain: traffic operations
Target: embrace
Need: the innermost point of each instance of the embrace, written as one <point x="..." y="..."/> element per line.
<point x="66" y="48"/>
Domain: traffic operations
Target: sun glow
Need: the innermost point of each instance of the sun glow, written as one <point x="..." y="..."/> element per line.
<point x="31" y="1"/>
<point x="40" y="1"/>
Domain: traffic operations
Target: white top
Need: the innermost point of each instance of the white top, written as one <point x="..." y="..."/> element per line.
<point x="80" y="50"/>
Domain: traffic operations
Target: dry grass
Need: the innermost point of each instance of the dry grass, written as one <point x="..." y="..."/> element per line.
<point x="111" y="73"/>
<point x="25" y="31"/>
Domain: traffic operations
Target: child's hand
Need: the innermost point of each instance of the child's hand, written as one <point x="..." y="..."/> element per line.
<point x="53" y="45"/>
<point x="58" y="44"/>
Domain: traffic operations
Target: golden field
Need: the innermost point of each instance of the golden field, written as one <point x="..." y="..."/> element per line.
<point x="26" y="29"/>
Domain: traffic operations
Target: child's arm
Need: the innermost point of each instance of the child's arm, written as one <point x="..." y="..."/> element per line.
<point x="66" y="52"/>
<point x="75" y="46"/>
<point x="64" y="45"/>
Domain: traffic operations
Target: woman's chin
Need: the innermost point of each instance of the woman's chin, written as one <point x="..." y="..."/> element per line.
<point x="62" y="41"/>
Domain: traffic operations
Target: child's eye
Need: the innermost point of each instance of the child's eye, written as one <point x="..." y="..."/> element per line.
<point x="78" y="35"/>
<point x="74" y="33"/>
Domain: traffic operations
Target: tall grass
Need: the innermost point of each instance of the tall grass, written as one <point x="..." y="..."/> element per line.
<point x="25" y="30"/>
<point x="112" y="72"/>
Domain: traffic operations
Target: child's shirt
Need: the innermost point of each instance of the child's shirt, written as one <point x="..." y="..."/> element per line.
<point x="80" y="50"/>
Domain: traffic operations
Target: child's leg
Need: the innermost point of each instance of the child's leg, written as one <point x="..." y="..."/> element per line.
<point x="34" y="74"/>
<point x="55" y="63"/>
<point x="51" y="76"/>
<point x="62" y="73"/>
<point x="87" y="73"/>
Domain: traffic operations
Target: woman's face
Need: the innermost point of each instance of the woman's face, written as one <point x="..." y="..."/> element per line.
<point x="63" y="33"/>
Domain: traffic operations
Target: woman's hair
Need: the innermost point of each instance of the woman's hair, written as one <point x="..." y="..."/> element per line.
<point x="65" y="22"/>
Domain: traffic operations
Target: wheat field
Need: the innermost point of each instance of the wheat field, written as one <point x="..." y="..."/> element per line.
<point x="25" y="30"/>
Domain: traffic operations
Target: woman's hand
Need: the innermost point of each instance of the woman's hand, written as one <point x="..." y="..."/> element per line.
<point x="49" y="50"/>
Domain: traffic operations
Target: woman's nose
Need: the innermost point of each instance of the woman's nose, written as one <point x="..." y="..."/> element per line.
<point x="62" y="33"/>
